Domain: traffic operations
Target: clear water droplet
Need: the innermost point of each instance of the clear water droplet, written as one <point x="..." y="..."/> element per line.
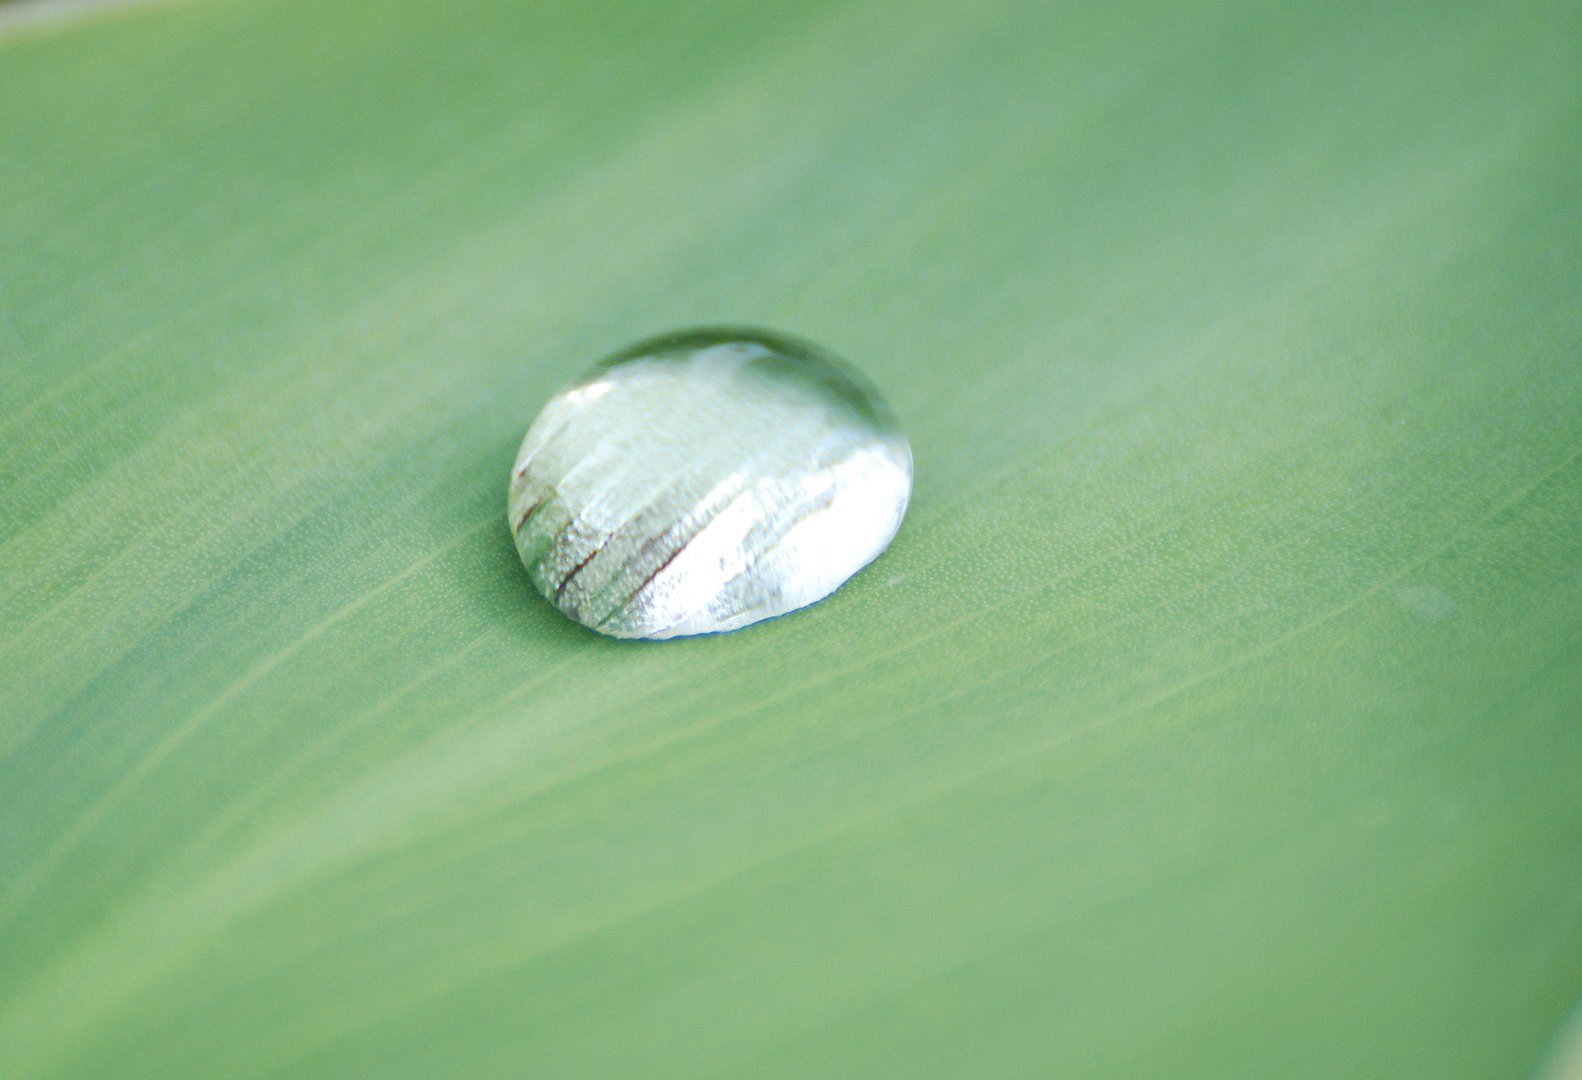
<point x="706" y="480"/>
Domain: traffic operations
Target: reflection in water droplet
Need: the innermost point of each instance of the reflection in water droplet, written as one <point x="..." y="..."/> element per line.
<point x="705" y="480"/>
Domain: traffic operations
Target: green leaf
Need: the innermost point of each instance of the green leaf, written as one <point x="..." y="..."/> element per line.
<point x="1215" y="712"/>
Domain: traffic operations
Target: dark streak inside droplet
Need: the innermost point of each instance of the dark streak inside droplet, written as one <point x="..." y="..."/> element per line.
<point x="680" y="537"/>
<point x="621" y="608"/>
<point x="560" y="590"/>
<point x="635" y="523"/>
<point x="529" y="512"/>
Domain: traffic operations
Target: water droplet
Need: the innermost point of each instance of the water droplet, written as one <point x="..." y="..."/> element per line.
<point x="706" y="480"/>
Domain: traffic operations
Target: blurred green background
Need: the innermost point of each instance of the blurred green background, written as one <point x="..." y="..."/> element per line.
<point x="1218" y="711"/>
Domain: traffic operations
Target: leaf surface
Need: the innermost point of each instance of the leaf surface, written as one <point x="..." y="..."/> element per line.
<point x="1215" y="712"/>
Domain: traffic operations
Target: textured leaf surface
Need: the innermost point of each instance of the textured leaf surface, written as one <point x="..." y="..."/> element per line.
<point x="1217" y="709"/>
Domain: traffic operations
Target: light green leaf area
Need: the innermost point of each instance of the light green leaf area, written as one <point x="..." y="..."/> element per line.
<point x="1218" y="710"/>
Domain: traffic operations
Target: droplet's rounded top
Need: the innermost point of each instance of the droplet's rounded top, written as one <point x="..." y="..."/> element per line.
<point x="705" y="480"/>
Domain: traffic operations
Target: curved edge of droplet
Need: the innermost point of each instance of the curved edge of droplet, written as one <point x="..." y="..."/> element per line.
<point x="862" y="389"/>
